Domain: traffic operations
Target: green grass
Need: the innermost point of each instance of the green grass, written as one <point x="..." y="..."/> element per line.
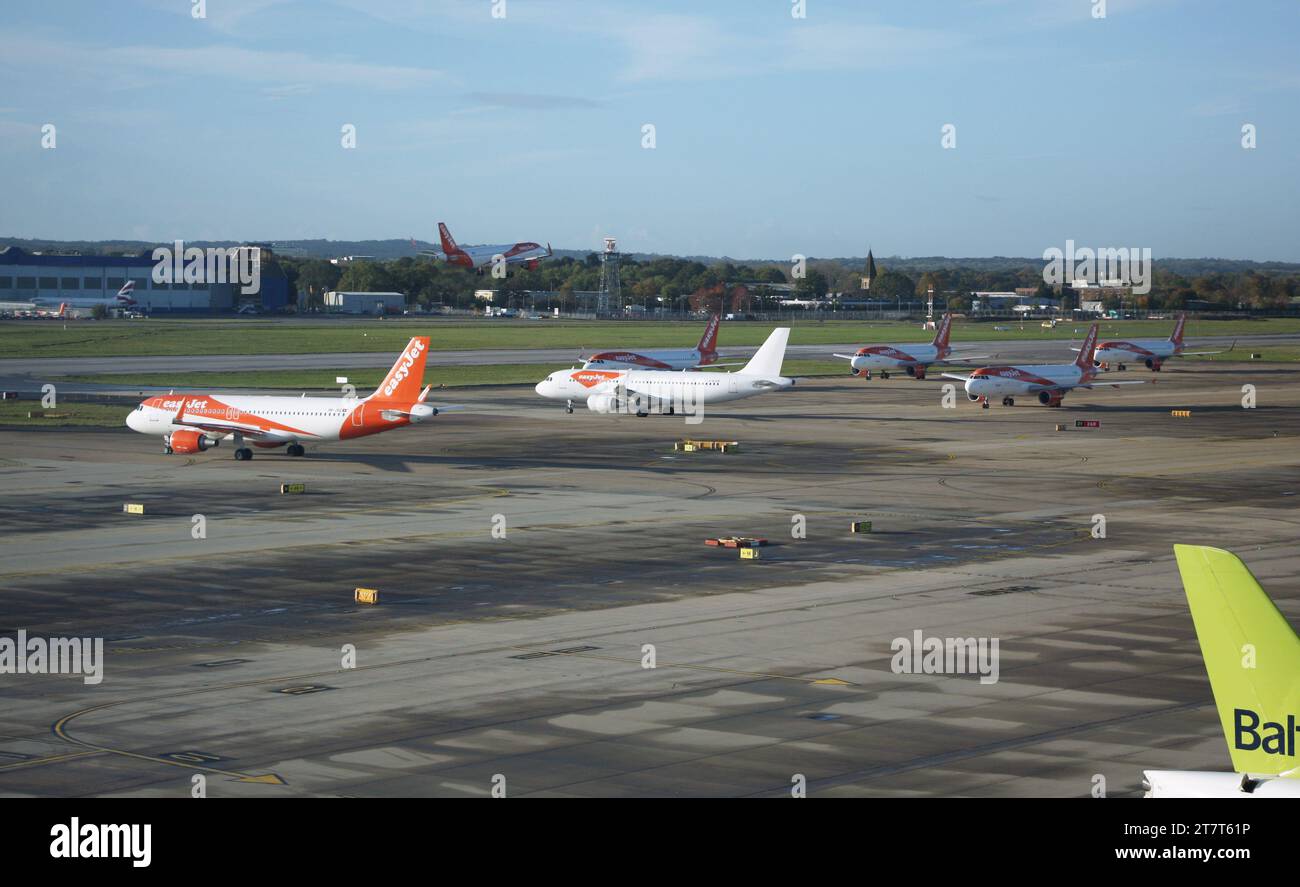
<point x="366" y="379"/>
<point x="101" y="415"/>
<point x="111" y="338"/>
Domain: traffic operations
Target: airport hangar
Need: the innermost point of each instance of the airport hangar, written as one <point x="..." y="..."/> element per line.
<point x="27" y="276"/>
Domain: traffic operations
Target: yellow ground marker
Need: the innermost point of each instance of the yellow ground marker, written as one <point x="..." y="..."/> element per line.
<point x="133" y="508"/>
<point x="366" y="595"/>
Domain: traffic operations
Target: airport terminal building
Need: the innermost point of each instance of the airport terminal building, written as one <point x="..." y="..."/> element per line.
<point x="27" y="277"/>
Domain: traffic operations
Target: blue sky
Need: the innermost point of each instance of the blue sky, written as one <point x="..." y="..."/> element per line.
<point x="774" y="135"/>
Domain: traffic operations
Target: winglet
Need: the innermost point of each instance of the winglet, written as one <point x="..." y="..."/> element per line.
<point x="1252" y="656"/>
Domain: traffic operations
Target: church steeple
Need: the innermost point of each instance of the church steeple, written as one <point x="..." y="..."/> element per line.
<point x="870" y="274"/>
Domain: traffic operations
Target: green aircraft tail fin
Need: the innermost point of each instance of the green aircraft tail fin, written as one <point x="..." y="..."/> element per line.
<point x="1252" y="656"/>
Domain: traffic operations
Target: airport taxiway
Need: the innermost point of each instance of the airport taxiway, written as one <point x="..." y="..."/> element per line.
<point x="522" y="657"/>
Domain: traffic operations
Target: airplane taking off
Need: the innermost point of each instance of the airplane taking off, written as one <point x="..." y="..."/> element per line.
<point x="1252" y="656"/>
<point x="616" y="391"/>
<point x="192" y="423"/>
<point x="911" y="359"/>
<point x="1050" y="381"/>
<point x="476" y="258"/>
<point x="705" y="353"/>
<point x="1150" y="352"/>
<point x="123" y="299"/>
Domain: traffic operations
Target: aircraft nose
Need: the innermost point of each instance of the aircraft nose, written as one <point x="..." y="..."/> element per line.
<point x="540" y="388"/>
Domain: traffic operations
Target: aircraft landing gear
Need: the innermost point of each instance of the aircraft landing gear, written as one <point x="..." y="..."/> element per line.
<point x="866" y="375"/>
<point x="984" y="402"/>
<point x="296" y="450"/>
<point x="1121" y="367"/>
<point x="1008" y="401"/>
<point x="243" y="454"/>
<point x="884" y="374"/>
<point x="568" y="407"/>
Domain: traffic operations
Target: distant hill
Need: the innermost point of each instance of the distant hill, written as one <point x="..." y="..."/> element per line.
<point x="397" y="248"/>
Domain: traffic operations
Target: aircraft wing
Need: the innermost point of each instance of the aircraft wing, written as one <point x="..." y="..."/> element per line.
<point x="955" y="359"/>
<point x="226" y="426"/>
<point x="1107" y="384"/>
<point x="957" y="376"/>
<point x="845" y="356"/>
<point x="221" y="426"/>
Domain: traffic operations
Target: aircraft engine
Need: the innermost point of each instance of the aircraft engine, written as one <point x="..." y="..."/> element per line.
<point x="186" y="442"/>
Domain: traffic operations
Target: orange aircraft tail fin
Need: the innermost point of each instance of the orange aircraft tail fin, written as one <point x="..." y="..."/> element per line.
<point x="405" y="379"/>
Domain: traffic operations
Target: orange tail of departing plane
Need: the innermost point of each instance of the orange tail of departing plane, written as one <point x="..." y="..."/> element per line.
<point x="449" y="246"/>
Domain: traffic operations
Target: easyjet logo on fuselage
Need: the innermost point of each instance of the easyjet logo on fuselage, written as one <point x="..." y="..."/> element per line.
<point x="589" y="378"/>
<point x="194" y="406"/>
<point x="403" y="369"/>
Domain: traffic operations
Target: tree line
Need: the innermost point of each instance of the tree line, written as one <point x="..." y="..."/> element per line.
<point x="685" y="284"/>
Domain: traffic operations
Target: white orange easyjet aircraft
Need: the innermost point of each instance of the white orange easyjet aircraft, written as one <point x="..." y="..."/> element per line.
<point x="192" y="423"/>
<point x="704" y="354"/>
<point x="477" y="258"/>
<point x="1049" y="382"/>
<point x="1151" y="352"/>
<point x="911" y="359"/>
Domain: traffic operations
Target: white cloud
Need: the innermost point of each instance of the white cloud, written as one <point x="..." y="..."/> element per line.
<point x="127" y="66"/>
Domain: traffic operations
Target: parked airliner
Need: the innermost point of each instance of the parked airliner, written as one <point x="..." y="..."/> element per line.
<point x="1049" y="382"/>
<point x="640" y="391"/>
<point x="911" y="359"/>
<point x="193" y="423"/>
<point x="704" y="354"/>
<point x="124" y="299"/>
<point x="1150" y="352"/>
